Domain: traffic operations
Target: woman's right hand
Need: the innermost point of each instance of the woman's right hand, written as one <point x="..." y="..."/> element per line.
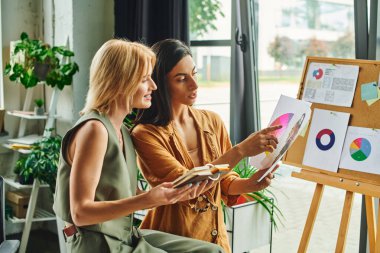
<point x="166" y="194"/>
<point x="259" y="142"/>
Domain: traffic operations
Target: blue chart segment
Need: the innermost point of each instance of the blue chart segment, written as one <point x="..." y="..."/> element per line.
<point x="360" y="149"/>
<point x="331" y="142"/>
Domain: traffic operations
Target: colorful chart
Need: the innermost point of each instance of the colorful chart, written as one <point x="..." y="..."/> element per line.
<point x="318" y="73"/>
<point x="331" y="142"/>
<point x="282" y="120"/>
<point x="360" y="149"/>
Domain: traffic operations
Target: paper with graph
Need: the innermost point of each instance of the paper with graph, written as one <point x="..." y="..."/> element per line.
<point x="325" y="140"/>
<point x="331" y="84"/>
<point x="361" y="150"/>
<point x="294" y="116"/>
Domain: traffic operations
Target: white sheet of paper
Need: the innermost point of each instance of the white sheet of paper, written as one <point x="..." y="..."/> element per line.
<point x="325" y="141"/>
<point x="361" y="150"/>
<point x="293" y="115"/>
<point x="331" y="84"/>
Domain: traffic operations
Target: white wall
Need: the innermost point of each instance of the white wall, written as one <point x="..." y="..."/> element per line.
<point x="53" y="21"/>
<point x="82" y="25"/>
<point x="17" y="16"/>
<point x="87" y="24"/>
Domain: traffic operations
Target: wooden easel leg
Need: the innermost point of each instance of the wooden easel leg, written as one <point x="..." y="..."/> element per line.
<point x="314" y="206"/>
<point x="377" y="247"/>
<point x="370" y="213"/>
<point x="344" y="222"/>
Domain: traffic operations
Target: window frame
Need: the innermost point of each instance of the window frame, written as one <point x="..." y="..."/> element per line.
<point x="193" y="43"/>
<point x="1" y="65"/>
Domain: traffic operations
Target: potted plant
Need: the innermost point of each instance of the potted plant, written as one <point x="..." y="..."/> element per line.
<point x="249" y="222"/>
<point x="41" y="63"/>
<point x="42" y="162"/>
<point x="24" y="173"/>
<point x="38" y="109"/>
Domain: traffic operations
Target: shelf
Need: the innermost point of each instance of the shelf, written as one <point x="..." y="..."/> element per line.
<point x="20" y="150"/>
<point x="27" y="140"/>
<point x="39" y="215"/>
<point x="17" y="185"/>
<point x="27" y="115"/>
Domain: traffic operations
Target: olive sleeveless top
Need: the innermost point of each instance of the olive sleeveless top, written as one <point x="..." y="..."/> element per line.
<point x="118" y="178"/>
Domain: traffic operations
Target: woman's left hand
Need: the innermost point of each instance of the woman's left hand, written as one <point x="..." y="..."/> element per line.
<point x="196" y="190"/>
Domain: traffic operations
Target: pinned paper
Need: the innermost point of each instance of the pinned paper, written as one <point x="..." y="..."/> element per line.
<point x="369" y="91"/>
<point x="331" y="84"/>
<point x="361" y="150"/>
<point x="325" y="140"/>
<point x="371" y="101"/>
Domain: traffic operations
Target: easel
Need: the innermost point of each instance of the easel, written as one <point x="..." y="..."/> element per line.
<point x="350" y="181"/>
<point x="351" y="186"/>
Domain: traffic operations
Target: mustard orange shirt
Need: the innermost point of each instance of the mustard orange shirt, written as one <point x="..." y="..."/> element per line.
<point x="163" y="157"/>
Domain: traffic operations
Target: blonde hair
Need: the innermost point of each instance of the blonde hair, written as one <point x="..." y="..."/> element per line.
<point x="116" y="69"/>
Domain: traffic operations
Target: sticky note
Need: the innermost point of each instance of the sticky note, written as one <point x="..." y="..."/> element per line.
<point x="369" y="91"/>
<point x="371" y="101"/>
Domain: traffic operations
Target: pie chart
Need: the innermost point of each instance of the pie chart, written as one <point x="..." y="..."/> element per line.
<point x="360" y="149"/>
<point x="318" y="73"/>
<point x="282" y="120"/>
<point x="329" y="144"/>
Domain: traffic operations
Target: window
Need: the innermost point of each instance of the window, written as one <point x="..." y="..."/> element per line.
<point x="290" y="30"/>
<point x="1" y="68"/>
<point x="210" y="42"/>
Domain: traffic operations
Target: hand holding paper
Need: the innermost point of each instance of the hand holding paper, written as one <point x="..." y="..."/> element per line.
<point x="260" y="141"/>
<point x="294" y="116"/>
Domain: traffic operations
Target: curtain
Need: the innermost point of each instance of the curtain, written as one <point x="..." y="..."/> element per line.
<point x="245" y="103"/>
<point x="149" y="21"/>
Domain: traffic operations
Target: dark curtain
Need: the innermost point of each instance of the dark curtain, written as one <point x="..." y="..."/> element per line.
<point x="245" y="102"/>
<point x="149" y="21"/>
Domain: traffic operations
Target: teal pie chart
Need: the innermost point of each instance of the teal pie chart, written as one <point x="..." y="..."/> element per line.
<point x="360" y="149"/>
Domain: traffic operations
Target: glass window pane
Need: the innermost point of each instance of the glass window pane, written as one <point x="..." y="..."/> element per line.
<point x="290" y="30"/>
<point x="210" y="19"/>
<point x="213" y="67"/>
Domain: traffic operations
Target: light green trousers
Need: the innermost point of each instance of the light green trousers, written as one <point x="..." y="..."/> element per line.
<point x="151" y="242"/>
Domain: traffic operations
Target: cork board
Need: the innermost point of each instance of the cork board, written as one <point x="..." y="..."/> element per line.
<point x="362" y="115"/>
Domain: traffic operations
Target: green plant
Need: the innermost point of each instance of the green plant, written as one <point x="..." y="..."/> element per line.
<point x="25" y="173"/>
<point x="41" y="63"/>
<point x="39" y="102"/>
<point x="203" y="14"/>
<point x="42" y="162"/>
<point x="265" y="197"/>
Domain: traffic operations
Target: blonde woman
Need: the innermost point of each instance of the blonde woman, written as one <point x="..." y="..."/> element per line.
<point x="96" y="184"/>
